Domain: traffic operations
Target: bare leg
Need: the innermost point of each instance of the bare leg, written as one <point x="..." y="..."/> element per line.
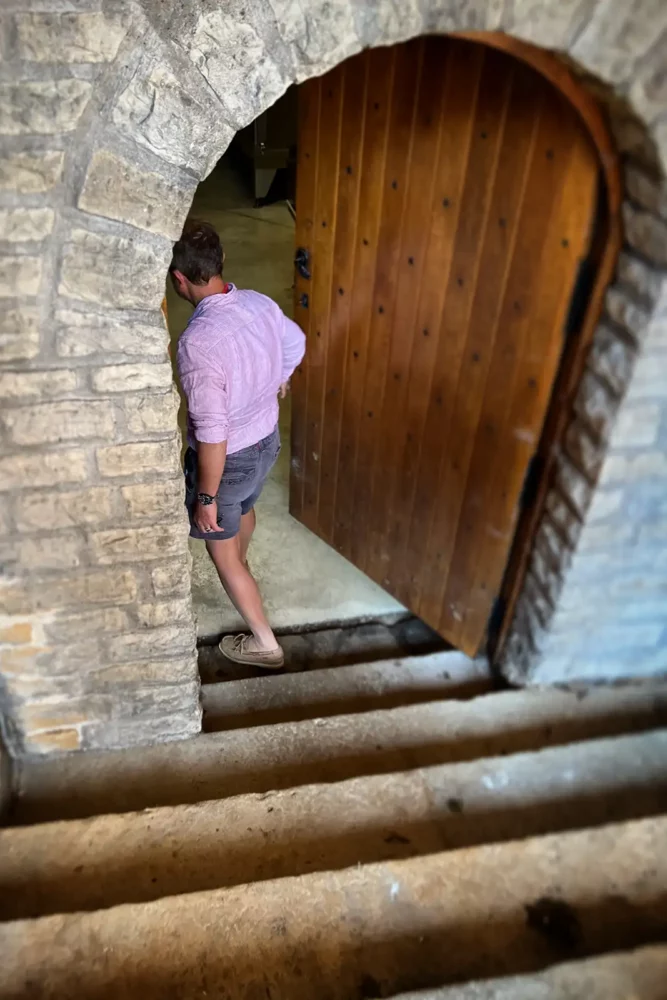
<point x="242" y="589"/>
<point x="248" y="522"/>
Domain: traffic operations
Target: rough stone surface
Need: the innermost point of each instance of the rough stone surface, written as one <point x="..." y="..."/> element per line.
<point x="168" y="579"/>
<point x="113" y="271"/>
<point x="645" y="189"/>
<point x="179" y="127"/>
<point x="360" y="924"/>
<point x="646" y="233"/>
<point x="21" y="225"/>
<point x="613" y="43"/>
<point x="19" y="276"/>
<point x="160" y="457"/>
<point x="141" y="856"/>
<point x="110" y="116"/>
<point x="118" y="190"/>
<point x="234" y="58"/>
<point x="69" y="509"/>
<point x="19" y="333"/>
<point x="551" y="25"/>
<point x="137" y="544"/>
<point x="339" y="690"/>
<point x="288" y="754"/>
<point x="151" y="414"/>
<point x="42" y="107"/>
<point x="52" y="422"/>
<point x="68" y="37"/>
<point x="30" y="173"/>
<point x="132" y="378"/>
<point x="36" y="385"/>
<point x="144" y="503"/>
<point x="638" y="974"/>
<point x="81" y="334"/>
<point x="28" y="470"/>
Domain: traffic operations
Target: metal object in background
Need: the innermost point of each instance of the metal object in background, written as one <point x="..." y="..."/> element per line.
<point x="269" y="144"/>
<point x="301" y="262"/>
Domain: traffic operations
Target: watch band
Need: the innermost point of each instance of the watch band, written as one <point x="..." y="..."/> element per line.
<point x="205" y="499"/>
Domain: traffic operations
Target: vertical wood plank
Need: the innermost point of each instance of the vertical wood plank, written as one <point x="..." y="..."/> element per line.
<point x="486" y="327"/>
<point x="347" y="210"/>
<point x="307" y="159"/>
<point x="378" y="100"/>
<point x="431" y="504"/>
<point x="531" y="380"/>
<point x="461" y="83"/>
<point x="395" y="183"/>
<point x="484" y="273"/>
<point x="331" y="105"/>
<point x="387" y="495"/>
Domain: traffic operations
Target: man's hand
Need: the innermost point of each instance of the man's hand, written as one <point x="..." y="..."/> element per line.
<point x="284" y="389"/>
<point x="206" y="517"/>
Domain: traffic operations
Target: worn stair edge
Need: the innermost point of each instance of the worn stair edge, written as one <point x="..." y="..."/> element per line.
<point x="133" y="857"/>
<point x="639" y="975"/>
<point x="384" y="928"/>
<point x="343" y="690"/>
<point x="339" y="644"/>
<point x="217" y="765"/>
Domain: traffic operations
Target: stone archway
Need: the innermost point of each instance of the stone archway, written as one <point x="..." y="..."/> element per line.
<point x="118" y="114"/>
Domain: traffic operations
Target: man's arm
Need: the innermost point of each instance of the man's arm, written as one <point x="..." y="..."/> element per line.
<point x="294" y="348"/>
<point x="205" y="389"/>
<point x="211" y="464"/>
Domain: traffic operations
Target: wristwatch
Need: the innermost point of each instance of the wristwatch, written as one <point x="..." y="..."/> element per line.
<point x="205" y="499"/>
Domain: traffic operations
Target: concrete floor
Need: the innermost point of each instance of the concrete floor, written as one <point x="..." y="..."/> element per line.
<point x="303" y="580"/>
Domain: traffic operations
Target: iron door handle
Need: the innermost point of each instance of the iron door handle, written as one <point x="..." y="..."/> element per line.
<point x="301" y="262"/>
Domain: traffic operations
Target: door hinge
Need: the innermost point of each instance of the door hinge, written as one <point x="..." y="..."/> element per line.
<point x="531" y="482"/>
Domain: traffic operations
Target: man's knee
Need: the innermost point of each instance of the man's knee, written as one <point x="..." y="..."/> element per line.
<point x="225" y="552"/>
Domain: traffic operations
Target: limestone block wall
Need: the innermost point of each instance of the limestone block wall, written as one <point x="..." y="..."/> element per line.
<point x="96" y="630"/>
<point x="110" y="114"/>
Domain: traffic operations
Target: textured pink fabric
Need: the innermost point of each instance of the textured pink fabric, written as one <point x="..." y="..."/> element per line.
<point x="232" y="357"/>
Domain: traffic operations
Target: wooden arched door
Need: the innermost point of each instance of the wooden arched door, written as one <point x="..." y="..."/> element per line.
<point x="445" y="199"/>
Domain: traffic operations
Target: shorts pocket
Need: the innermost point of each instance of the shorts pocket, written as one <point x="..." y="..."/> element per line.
<point x="190" y="471"/>
<point x="237" y="473"/>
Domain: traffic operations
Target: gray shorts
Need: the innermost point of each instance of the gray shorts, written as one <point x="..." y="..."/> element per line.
<point x="242" y="482"/>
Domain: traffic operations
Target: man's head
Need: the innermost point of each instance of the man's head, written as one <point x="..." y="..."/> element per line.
<point x="197" y="261"/>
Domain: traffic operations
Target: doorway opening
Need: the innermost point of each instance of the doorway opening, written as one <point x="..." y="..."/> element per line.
<point x="452" y="248"/>
<point x="249" y="199"/>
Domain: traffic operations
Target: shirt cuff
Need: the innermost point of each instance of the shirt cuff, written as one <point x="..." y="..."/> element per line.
<point x="213" y="434"/>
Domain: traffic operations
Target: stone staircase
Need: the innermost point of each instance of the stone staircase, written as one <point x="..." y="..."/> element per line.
<point x="351" y="833"/>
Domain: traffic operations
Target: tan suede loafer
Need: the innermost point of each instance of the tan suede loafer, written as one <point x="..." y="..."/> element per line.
<point x="234" y="647"/>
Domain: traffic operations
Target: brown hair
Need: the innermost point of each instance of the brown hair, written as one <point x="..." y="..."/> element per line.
<point x="198" y="254"/>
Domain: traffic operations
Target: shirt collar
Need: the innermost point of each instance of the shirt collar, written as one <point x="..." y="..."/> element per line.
<point x="218" y="297"/>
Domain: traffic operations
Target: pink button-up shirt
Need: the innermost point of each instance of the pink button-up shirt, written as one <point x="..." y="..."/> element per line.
<point x="232" y="357"/>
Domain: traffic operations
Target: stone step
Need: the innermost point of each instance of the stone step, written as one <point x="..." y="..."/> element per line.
<point x="218" y="765"/>
<point x="343" y="690"/>
<point x="640" y="975"/>
<point x="367" y="931"/>
<point x="134" y="857"/>
<point x="333" y="646"/>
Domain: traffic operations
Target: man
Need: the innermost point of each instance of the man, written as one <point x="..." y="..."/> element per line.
<point x="235" y="356"/>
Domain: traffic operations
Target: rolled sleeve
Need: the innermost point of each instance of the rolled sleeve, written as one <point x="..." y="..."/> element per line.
<point x="208" y="405"/>
<point x="294" y="347"/>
